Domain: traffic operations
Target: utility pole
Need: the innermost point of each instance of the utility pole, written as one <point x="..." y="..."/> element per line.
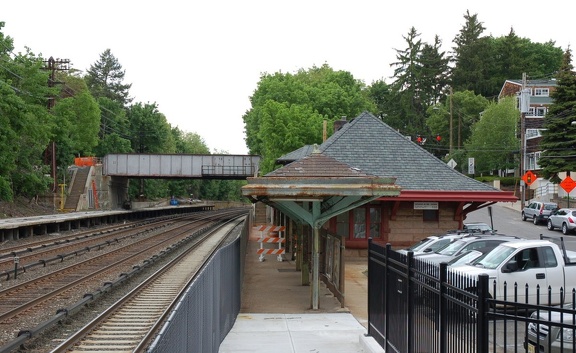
<point x="451" y="127"/>
<point x="53" y="65"/>
<point x="524" y="108"/>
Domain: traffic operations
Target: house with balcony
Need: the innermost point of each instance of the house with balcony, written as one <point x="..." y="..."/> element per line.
<point x="533" y="125"/>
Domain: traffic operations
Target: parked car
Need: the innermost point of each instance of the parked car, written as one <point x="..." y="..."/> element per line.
<point x="563" y="218"/>
<point x="431" y="244"/>
<point x="548" y="337"/>
<point x="477" y="227"/>
<point x="467" y="257"/>
<point x="465" y="244"/>
<point x="538" y="211"/>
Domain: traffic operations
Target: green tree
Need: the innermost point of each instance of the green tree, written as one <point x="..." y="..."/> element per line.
<point x="25" y="124"/>
<point x="114" y="128"/>
<point x="188" y="143"/>
<point x="409" y="104"/>
<point x="464" y="109"/>
<point x="105" y="78"/>
<point x="150" y="132"/>
<point x="559" y="138"/>
<point x="515" y="56"/>
<point x="286" y="128"/>
<point x="435" y="70"/>
<point x="473" y="58"/>
<point x="78" y="125"/>
<point x="493" y="142"/>
<point x="541" y="59"/>
<point x="420" y="76"/>
<point x="288" y="109"/>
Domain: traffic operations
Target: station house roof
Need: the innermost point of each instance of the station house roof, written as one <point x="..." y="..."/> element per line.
<point x="370" y="145"/>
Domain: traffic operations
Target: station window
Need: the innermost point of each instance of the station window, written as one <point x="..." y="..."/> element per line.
<point x="375" y="222"/>
<point x="430" y="216"/>
<point x="360" y="223"/>
<point x="343" y="224"/>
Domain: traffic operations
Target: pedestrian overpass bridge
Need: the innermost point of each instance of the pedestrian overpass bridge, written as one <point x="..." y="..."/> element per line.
<point x="189" y="166"/>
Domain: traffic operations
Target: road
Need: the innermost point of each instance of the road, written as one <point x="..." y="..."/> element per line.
<point x="507" y="221"/>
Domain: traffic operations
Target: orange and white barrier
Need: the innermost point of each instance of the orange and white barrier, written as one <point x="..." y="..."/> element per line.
<point x="265" y="231"/>
<point x="269" y="228"/>
<point x="270" y="251"/>
<point x="272" y="240"/>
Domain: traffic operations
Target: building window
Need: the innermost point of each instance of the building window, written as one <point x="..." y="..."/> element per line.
<point x="430" y="215"/>
<point x="343" y="224"/>
<point x="540" y="111"/>
<point x="532" y="162"/>
<point x="360" y="223"/>
<point x="375" y="220"/>
<point x="533" y="133"/>
<point x="542" y="92"/>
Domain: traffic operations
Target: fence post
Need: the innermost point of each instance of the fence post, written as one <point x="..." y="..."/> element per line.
<point x="442" y="307"/>
<point x="370" y="269"/>
<point x="482" y="314"/>
<point x="386" y="306"/>
<point x="410" y="306"/>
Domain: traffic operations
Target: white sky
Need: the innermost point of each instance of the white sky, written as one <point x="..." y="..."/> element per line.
<point x="200" y="61"/>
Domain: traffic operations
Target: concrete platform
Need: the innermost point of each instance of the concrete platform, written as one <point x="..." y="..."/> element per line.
<point x="276" y="314"/>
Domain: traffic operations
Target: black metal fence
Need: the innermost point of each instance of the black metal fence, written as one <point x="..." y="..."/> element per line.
<point x="415" y="306"/>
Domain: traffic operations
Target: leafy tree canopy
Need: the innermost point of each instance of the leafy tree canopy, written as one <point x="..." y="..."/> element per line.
<point x="464" y="109"/>
<point x="149" y="130"/>
<point x="288" y="109"/>
<point x="493" y="142"/>
<point x="25" y="124"/>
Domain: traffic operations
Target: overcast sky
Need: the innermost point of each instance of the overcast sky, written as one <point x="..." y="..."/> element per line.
<point x="200" y="61"/>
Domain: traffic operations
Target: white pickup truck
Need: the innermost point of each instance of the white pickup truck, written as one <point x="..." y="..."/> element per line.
<point x="533" y="263"/>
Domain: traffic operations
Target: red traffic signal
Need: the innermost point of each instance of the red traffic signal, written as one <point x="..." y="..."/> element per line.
<point x="419" y="139"/>
<point x="438" y="138"/>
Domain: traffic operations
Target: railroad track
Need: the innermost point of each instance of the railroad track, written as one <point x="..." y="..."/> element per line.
<point x="131" y="324"/>
<point x="38" y="253"/>
<point x="65" y="286"/>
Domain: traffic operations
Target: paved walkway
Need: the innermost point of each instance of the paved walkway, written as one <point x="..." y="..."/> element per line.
<point x="276" y="314"/>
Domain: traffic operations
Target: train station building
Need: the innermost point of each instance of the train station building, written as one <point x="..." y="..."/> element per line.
<point x="433" y="197"/>
<point x="366" y="181"/>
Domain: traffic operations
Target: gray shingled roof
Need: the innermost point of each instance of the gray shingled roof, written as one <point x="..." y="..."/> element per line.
<point x="317" y="164"/>
<point x="367" y="143"/>
<point x="544" y="82"/>
<point x="295" y="155"/>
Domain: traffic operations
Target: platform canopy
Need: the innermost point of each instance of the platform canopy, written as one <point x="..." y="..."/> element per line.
<point x="332" y="187"/>
<point x="314" y="189"/>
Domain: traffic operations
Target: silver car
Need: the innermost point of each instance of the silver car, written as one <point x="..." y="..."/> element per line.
<point x="481" y="242"/>
<point x="563" y="218"/>
<point x="538" y="211"/>
<point x="430" y="244"/>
